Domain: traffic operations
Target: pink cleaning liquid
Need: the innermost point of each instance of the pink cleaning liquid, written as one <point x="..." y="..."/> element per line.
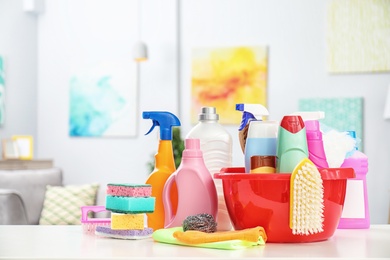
<point x="197" y="193"/>
<point x="315" y="144"/>
<point x="356" y="212"/>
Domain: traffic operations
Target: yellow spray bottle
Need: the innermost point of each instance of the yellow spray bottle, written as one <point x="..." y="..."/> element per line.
<point x="164" y="165"/>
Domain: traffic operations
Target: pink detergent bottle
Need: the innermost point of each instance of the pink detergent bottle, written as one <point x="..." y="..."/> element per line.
<point x="196" y="189"/>
<point x="355" y="211"/>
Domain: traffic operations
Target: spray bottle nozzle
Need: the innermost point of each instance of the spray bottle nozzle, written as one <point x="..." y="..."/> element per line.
<point x="251" y="111"/>
<point x="165" y="120"/>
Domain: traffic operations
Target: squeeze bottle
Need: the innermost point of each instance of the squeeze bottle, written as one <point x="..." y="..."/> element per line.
<point x="261" y="137"/>
<point x="356" y="211"/>
<point x="315" y="143"/>
<point x="292" y="143"/>
<point x="250" y="112"/>
<point x="216" y="146"/>
<point x="164" y="165"/>
<point x="196" y="190"/>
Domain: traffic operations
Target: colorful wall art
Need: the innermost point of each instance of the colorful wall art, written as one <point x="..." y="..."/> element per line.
<point x="223" y="77"/>
<point x="341" y="114"/>
<point x="358" y="35"/>
<point x="2" y="91"/>
<point x="103" y="100"/>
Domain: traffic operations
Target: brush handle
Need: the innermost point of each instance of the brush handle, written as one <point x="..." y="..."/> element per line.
<point x="86" y="209"/>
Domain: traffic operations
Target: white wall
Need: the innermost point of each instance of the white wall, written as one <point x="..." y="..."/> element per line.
<point x="103" y="30"/>
<point x="18" y="45"/>
<point x="295" y="32"/>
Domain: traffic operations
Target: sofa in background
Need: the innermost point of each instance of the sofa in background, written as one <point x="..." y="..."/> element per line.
<point x="22" y="194"/>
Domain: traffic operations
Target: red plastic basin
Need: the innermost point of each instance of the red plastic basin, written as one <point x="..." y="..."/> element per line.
<point x="264" y="200"/>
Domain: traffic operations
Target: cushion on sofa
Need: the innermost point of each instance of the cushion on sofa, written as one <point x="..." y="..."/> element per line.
<point x="62" y="203"/>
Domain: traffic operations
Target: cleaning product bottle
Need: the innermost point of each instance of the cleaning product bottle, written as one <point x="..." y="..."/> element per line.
<point x="216" y="146"/>
<point x="262" y="135"/>
<point x="196" y="190"/>
<point x="292" y="143"/>
<point x="356" y="211"/>
<point x="164" y="165"/>
<point x="263" y="164"/>
<point x="315" y="143"/>
<point x="249" y="112"/>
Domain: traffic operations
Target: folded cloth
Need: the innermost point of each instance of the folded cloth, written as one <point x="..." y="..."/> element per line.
<point x="167" y="236"/>
<point x="199" y="237"/>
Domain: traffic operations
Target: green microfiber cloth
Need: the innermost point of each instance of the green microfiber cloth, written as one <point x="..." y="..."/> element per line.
<point x="165" y="235"/>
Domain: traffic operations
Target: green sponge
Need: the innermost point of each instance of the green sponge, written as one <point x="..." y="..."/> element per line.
<point x="132" y="205"/>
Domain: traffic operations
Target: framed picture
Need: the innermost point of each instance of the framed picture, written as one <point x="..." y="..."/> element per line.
<point x="24" y="145"/>
<point x="225" y="76"/>
<point x="10" y="149"/>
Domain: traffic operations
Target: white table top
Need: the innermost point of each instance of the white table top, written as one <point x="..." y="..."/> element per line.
<point x="68" y="242"/>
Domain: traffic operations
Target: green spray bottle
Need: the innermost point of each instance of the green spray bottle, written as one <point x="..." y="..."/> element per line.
<point x="164" y="165"/>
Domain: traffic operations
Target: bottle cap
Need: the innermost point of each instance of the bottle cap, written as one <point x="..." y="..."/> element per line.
<point x="292" y="123"/>
<point x="262" y="161"/>
<point x="208" y="113"/>
<point x="192" y="148"/>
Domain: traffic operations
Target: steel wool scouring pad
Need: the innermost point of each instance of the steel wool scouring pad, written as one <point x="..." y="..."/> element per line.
<point x="201" y="222"/>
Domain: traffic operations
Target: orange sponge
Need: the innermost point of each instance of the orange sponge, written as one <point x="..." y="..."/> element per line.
<point x="127" y="221"/>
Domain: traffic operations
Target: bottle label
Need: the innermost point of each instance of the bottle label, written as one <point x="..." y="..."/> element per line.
<point x="354" y="200"/>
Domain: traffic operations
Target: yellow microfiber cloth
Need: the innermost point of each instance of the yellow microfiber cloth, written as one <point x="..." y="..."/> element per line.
<point x="306" y="199"/>
<point x="236" y="241"/>
<point x="199" y="237"/>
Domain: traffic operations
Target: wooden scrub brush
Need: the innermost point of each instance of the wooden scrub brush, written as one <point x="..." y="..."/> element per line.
<point x="306" y="199"/>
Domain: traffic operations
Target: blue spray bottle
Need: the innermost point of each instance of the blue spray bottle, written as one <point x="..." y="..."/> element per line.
<point x="257" y="137"/>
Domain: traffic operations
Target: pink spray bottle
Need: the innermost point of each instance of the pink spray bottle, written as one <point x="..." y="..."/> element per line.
<point x="196" y="189"/>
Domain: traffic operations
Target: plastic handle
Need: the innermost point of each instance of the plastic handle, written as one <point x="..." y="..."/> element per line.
<point x="166" y="200"/>
<point x="86" y="209"/>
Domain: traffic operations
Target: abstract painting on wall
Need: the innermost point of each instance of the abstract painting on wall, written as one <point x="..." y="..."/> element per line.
<point x="103" y="100"/>
<point x="341" y="114"/>
<point x="2" y="91"/>
<point x="223" y="77"/>
<point x="358" y="35"/>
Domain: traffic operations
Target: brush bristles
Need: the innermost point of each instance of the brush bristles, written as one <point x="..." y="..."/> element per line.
<point x="89" y="228"/>
<point x="308" y="207"/>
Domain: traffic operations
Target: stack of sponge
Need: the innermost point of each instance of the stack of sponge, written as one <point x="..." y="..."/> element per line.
<point x="128" y="204"/>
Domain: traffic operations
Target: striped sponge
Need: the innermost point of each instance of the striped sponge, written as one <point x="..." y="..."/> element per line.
<point x="129" y="190"/>
<point x="127" y="221"/>
<point x="132" y="205"/>
<point x="124" y="233"/>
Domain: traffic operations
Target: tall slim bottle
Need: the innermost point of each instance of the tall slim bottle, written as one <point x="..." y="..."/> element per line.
<point x="216" y="145"/>
<point x="164" y="166"/>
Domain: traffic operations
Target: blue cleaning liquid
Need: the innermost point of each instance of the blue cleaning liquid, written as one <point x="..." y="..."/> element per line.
<point x="258" y="146"/>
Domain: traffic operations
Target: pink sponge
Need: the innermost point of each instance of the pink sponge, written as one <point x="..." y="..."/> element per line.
<point x="129" y="190"/>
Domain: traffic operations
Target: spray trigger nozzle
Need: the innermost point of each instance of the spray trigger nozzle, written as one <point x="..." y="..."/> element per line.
<point x="155" y="123"/>
<point x="165" y="120"/>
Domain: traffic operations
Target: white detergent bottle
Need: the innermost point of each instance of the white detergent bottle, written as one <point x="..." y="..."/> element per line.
<point x="216" y="145"/>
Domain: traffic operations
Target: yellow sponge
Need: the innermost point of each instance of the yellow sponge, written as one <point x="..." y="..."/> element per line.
<point x="127" y="221"/>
